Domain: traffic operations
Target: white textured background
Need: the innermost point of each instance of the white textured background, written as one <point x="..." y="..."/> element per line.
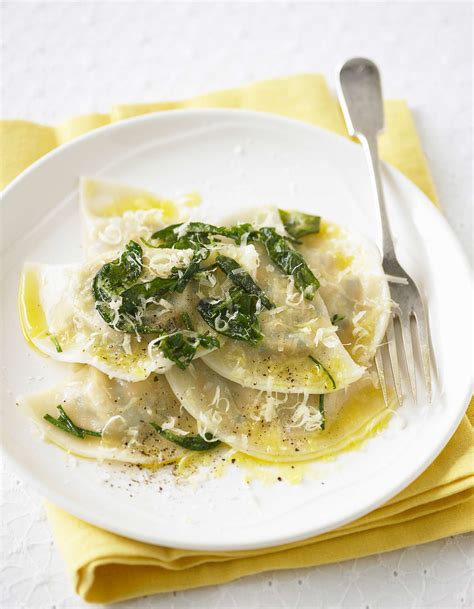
<point x="63" y="58"/>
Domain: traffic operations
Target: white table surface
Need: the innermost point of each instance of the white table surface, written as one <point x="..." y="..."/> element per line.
<point x="61" y="59"/>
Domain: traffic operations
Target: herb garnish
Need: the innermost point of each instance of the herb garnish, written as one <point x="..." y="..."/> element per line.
<point x="198" y="234"/>
<point x="322" y="411"/>
<point x="335" y="319"/>
<point x="65" y="424"/>
<point x="55" y="342"/>
<point x="191" y="442"/>
<point x="136" y="295"/>
<point x="193" y="236"/>
<point x="235" y="315"/>
<point x="298" y="224"/>
<point x="325" y="370"/>
<point x="206" y="272"/>
<point x="289" y="261"/>
<point x="242" y="279"/>
<point x="187" y="322"/>
<point x="121" y="302"/>
<point x="110" y="281"/>
<point x="115" y="281"/>
<point x="181" y="348"/>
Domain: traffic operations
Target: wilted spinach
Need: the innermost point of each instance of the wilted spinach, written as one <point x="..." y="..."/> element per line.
<point x="65" y="423"/>
<point x="289" y="261"/>
<point x="197" y="234"/>
<point x="298" y="224"/>
<point x="191" y="442"/>
<point x="242" y="279"/>
<point x="234" y="316"/>
<point x="181" y="348"/>
<point x="115" y="281"/>
<point x="322" y="410"/>
<point x="322" y="368"/>
<point x="112" y="279"/>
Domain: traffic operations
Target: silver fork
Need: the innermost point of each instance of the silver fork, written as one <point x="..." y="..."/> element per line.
<point x="360" y="94"/>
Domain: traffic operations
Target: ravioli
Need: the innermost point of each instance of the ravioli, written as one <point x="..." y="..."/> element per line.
<point x="121" y="411"/>
<point x="353" y="284"/>
<point x="59" y="317"/>
<point x="114" y="213"/>
<point x="296" y="332"/>
<point x="276" y="426"/>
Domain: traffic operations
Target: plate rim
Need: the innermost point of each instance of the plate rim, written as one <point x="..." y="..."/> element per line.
<point x="63" y="502"/>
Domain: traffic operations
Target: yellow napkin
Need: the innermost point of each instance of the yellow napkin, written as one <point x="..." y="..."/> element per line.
<point x="106" y="567"/>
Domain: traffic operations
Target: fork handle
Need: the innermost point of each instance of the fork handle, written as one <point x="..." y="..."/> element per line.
<point x="360" y="94"/>
<point x="370" y="146"/>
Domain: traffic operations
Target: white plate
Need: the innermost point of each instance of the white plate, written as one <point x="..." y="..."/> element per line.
<point x="232" y="159"/>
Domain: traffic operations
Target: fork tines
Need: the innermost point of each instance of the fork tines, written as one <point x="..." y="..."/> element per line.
<point x="409" y="316"/>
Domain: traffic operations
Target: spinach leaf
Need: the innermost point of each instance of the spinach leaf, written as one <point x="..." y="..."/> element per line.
<point x="181" y="348"/>
<point x="115" y="281"/>
<point x="55" y="342"/>
<point x="289" y="261"/>
<point x="198" y="234"/>
<point x="321" y="368"/>
<point x="206" y="273"/>
<point x="139" y="293"/>
<point x="298" y="224"/>
<point x="187" y="322"/>
<point x="322" y="411"/>
<point x="238" y="231"/>
<point x="183" y="277"/>
<point x="135" y="297"/>
<point x="194" y="236"/>
<point x="242" y="279"/>
<point x="167" y="234"/>
<point x="234" y="316"/>
<point x="191" y="442"/>
<point x="114" y="277"/>
<point x="64" y="423"/>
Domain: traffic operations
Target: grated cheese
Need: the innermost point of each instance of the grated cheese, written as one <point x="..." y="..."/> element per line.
<point x="306" y="416"/>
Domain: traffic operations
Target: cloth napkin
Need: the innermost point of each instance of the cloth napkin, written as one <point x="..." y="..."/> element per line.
<point x="105" y="567"/>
